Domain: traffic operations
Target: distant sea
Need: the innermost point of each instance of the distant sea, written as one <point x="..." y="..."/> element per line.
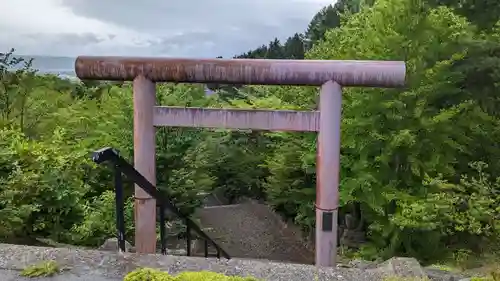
<point x="62" y="66"/>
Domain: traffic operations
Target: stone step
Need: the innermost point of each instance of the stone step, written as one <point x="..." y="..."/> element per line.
<point x="253" y="230"/>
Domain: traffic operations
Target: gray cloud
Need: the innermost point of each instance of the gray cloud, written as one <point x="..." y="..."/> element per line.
<point x="204" y="28"/>
<point x="167" y="16"/>
<point x="188" y="28"/>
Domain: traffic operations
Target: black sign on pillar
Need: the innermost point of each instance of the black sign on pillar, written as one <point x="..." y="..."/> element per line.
<point x="327" y="221"/>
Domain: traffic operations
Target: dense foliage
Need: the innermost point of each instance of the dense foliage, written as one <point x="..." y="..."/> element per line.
<point x="419" y="165"/>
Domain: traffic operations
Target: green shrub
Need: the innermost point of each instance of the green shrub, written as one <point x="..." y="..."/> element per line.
<point x="157" y="275"/>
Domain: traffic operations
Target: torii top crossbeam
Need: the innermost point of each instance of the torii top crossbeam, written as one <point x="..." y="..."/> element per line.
<point x="244" y="71"/>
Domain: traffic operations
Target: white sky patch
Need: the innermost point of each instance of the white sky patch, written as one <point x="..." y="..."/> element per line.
<point x="50" y="17"/>
<point x="34" y="27"/>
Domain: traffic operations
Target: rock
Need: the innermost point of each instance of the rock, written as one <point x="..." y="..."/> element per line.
<point x="343" y="265"/>
<point x="436" y="274"/>
<point x="51" y="243"/>
<point x="111" y="244"/>
<point x="177" y="252"/>
<point x="362" y="264"/>
<point x="352" y="238"/>
<point x="401" y="267"/>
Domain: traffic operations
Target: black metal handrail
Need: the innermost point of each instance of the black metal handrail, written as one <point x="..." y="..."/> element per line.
<point x="122" y="166"/>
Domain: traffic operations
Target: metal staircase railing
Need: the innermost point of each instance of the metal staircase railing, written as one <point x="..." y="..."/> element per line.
<point x="121" y="166"/>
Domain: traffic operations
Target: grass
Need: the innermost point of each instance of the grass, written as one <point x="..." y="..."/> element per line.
<point x="444" y="267"/>
<point x="43" y="269"/>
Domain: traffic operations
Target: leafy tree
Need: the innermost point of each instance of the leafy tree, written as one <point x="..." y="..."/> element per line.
<point x="483" y="13"/>
<point x="294" y="47"/>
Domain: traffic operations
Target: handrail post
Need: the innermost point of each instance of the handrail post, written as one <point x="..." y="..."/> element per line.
<point x="218" y="251"/>
<point x="205" y="247"/>
<point x="162" y="229"/>
<point x="120" y="217"/>
<point x="144" y="162"/>
<point x="188" y="239"/>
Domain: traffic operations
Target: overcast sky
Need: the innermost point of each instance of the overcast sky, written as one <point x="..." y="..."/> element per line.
<point x="185" y="28"/>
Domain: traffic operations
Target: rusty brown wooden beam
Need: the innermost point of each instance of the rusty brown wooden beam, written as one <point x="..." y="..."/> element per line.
<point x="243" y="71"/>
<point x="258" y="119"/>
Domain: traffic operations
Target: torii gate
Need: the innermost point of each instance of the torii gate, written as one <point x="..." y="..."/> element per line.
<point x="331" y="75"/>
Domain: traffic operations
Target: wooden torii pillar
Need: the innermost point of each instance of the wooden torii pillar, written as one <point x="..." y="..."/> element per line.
<point x="330" y="75"/>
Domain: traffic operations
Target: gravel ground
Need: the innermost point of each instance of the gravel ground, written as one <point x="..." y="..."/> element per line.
<point x="82" y="265"/>
<point x="13" y="275"/>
